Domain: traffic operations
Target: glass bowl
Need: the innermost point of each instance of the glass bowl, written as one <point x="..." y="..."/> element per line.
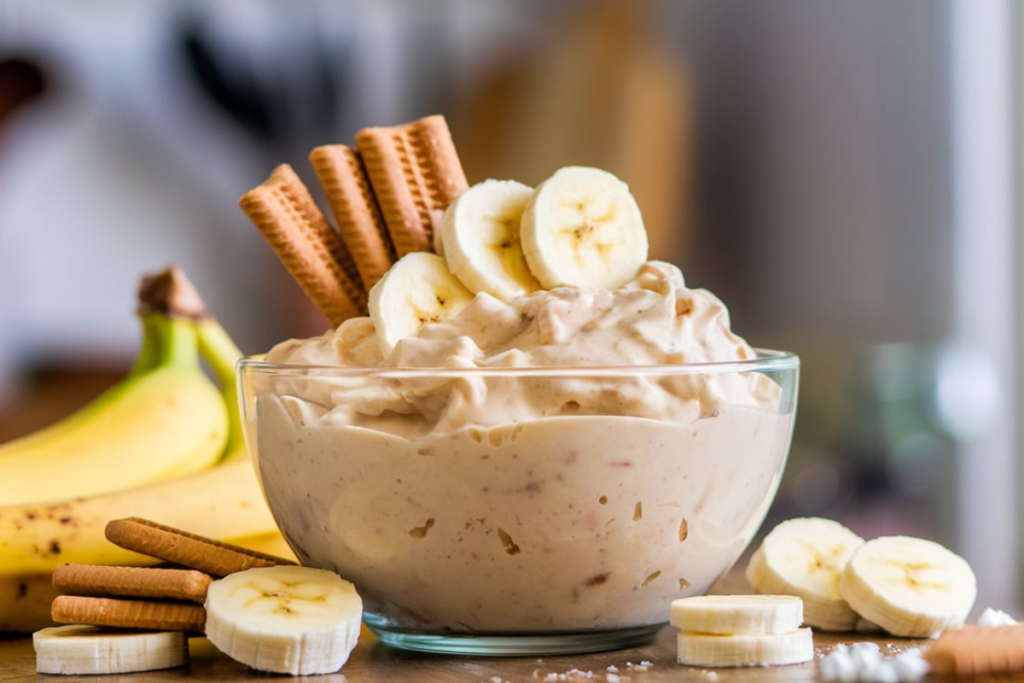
<point x="521" y="511"/>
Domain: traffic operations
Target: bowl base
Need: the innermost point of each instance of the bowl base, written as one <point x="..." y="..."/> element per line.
<point x="511" y="644"/>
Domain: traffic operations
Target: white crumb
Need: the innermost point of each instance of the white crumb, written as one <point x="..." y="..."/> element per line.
<point x="613" y="669"/>
<point x="613" y="678"/>
<point x="570" y="675"/>
<point x="864" y="662"/>
<point x="995" y="617"/>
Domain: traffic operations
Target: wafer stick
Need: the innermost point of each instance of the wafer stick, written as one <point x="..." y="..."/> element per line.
<point x="416" y="173"/>
<point x="134" y="582"/>
<point x="161" y="616"/>
<point x="282" y="209"/>
<point x="355" y="210"/>
<point x="978" y="651"/>
<point x="186" y="549"/>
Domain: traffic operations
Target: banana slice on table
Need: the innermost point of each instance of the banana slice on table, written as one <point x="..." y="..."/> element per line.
<point x="417" y="290"/>
<point x="284" y="619"/>
<point x="86" y="650"/>
<point x="583" y="228"/>
<point x="730" y="614"/>
<point x="480" y="234"/>
<point x="909" y="586"/>
<point x="805" y="557"/>
<point x="770" y="649"/>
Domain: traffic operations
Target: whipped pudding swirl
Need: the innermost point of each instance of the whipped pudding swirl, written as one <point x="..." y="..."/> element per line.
<point x="652" y="320"/>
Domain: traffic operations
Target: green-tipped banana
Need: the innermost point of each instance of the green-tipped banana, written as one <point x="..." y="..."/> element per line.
<point x="224" y="502"/>
<point x="223" y="355"/>
<point x="165" y="419"/>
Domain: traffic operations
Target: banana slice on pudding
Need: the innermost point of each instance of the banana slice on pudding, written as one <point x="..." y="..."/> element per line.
<point x="417" y="290"/>
<point x="583" y="228"/>
<point x="480" y="234"/>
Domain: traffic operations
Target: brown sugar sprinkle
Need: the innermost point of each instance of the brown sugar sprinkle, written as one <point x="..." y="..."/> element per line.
<point x="638" y="511"/>
<point x="684" y="530"/>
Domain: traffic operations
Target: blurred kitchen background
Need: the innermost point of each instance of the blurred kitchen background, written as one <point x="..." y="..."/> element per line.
<point x="845" y="175"/>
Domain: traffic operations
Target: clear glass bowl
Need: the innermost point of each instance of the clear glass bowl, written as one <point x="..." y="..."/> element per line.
<point x="527" y="510"/>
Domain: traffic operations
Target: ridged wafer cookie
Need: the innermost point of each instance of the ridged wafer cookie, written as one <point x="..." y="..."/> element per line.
<point x="978" y="651"/>
<point x="161" y="616"/>
<point x="135" y="582"/>
<point x="282" y="209"/>
<point x="341" y="173"/>
<point x="184" y="548"/>
<point x="415" y="173"/>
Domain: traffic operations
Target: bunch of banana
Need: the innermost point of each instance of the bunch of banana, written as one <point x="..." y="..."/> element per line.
<point x="163" y="444"/>
<point x="164" y="419"/>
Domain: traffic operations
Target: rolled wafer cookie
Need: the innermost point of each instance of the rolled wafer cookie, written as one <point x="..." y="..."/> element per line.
<point x="362" y="229"/>
<point x="124" y="613"/>
<point x="184" y="548"/>
<point x="415" y="173"/>
<point x="282" y="210"/>
<point x="134" y="582"/>
<point x="978" y="651"/>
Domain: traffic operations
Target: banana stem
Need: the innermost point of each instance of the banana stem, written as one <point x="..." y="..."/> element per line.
<point x="222" y="354"/>
<point x="178" y="342"/>
<point x="149" y="348"/>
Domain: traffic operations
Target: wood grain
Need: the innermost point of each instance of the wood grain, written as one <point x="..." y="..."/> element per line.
<point x="373" y="661"/>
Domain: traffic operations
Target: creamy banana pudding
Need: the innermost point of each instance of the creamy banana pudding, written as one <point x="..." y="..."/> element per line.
<point x="539" y="433"/>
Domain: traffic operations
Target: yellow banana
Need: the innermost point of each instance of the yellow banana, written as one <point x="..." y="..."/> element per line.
<point x="224" y="502"/>
<point x="163" y="420"/>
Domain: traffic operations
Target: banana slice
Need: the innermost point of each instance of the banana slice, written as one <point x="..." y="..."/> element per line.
<point x="746" y="614"/>
<point x="805" y="557"/>
<point x="417" y="290"/>
<point x="480" y="238"/>
<point x="87" y="650"/>
<point x="772" y="649"/>
<point x="909" y="586"/>
<point x="284" y="619"/>
<point x="582" y="228"/>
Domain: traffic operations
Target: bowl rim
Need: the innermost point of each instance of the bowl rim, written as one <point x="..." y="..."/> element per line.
<point x="767" y="360"/>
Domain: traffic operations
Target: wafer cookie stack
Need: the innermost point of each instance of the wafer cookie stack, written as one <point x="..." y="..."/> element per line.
<point x="386" y="194"/>
<point x="166" y="599"/>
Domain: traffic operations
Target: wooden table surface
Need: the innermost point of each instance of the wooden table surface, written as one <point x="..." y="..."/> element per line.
<point x="373" y="661"/>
